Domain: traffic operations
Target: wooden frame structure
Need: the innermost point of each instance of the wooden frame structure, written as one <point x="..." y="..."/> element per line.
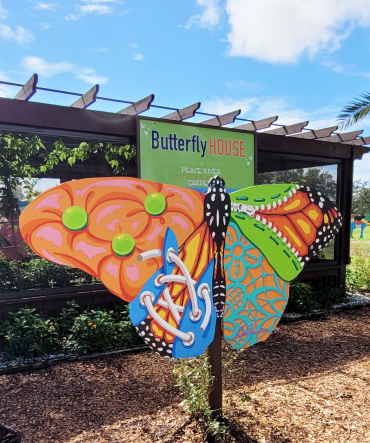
<point x="22" y="115"/>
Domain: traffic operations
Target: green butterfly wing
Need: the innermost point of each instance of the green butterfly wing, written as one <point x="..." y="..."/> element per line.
<point x="286" y="264"/>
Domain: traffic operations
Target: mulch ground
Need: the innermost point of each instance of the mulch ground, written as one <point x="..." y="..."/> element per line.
<point x="310" y="382"/>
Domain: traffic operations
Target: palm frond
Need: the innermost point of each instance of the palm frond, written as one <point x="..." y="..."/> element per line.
<point x="355" y="111"/>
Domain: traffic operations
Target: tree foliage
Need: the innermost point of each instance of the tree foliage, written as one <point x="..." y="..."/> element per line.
<point x="317" y="178"/>
<point x="355" y="111"/>
<point x="361" y="198"/>
<point x="23" y="156"/>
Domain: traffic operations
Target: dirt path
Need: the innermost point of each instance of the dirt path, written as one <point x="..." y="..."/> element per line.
<point x="310" y="382"/>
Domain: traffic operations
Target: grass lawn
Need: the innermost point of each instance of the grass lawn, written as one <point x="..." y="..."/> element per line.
<point x="359" y="271"/>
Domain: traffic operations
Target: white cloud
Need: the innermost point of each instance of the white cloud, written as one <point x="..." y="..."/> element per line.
<point x="20" y="35"/>
<point x="221" y="106"/>
<point x="256" y="108"/>
<point x="6" y="91"/>
<point x="45" y="6"/>
<point x="3" y="77"/>
<point x="102" y="1"/>
<point x="133" y="45"/>
<point x="99" y="9"/>
<point x="282" y="31"/>
<point x="138" y="56"/>
<point x="93" y="51"/>
<point x="362" y="168"/>
<point x="350" y="70"/>
<point x="71" y="17"/>
<point x="209" y="17"/>
<point x="48" y="69"/>
<point x="3" y="12"/>
<point x="90" y="76"/>
<point x="44" y="26"/>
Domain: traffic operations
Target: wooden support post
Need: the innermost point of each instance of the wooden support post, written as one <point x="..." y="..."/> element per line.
<point x="215" y="360"/>
<point x="346" y="181"/>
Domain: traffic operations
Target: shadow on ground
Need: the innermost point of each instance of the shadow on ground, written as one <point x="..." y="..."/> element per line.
<point x="292" y="351"/>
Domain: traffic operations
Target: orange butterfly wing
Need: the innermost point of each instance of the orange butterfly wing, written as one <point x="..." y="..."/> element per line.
<point x="113" y="206"/>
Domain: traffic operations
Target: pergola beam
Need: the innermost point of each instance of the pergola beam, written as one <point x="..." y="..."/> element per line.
<point x="29" y="89"/>
<point x="257" y="124"/>
<point x="344" y="137"/>
<point x="184" y="113"/>
<point x="221" y="120"/>
<point x="316" y="133"/>
<point x="286" y="130"/>
<point x="87" y="99"/>
<point x="138" y="107"/>
<point x="360" y="141"/>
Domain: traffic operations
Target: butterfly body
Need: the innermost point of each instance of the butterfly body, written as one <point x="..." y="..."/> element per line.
<point x="217" y="209"/>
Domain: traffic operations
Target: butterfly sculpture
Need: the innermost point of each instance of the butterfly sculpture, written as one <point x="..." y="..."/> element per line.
<point x="181" y="258"/>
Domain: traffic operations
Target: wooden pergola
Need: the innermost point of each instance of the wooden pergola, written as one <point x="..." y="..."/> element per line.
<point x="278" y="146"/>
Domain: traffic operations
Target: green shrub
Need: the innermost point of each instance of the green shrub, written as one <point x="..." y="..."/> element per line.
<point x="304" y="298"/>
<point x="29" y="334"/>
<point x="195" y="381"/>
<point x="358" y="273"/>
<point x="8" y="274"/>
<point x="39" y="273"/>
<point x="99" y="330"/>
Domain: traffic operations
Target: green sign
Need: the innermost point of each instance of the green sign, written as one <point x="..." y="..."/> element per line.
<point x="188" y="156"/>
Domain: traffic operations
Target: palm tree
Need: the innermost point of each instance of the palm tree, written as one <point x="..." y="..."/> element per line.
<point x="355" y="111"/>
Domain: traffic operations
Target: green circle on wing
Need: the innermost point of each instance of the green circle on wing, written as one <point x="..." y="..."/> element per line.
<point x="123" y="245"/>
<point x="155" y="204"/>
<point x="75" y="218"/>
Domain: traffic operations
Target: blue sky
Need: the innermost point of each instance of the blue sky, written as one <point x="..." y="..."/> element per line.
<point x="299" y="60"/>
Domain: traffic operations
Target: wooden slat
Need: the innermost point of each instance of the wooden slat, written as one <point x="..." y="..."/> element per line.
<point x="29" y="89"/>
<point x="360" y="141"/>
<point x="221" y="120"/>
<point x="138" y="107"/>
<point x="257" y="124"/>
<point x="286" y="130"/>
<point x="316" y="133"/>
<point x="184" y="113"/>
<point x="344" y="137"/>
<point x="87" y="99"/>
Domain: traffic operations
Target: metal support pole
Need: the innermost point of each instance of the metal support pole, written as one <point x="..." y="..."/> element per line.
<point x="215" y="360"/>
